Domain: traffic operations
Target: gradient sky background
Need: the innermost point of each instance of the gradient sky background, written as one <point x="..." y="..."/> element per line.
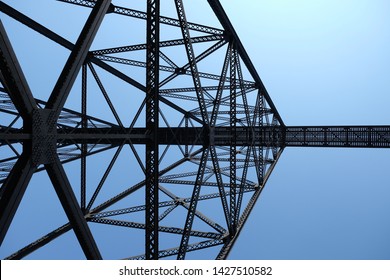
<point x="323" y="63"/>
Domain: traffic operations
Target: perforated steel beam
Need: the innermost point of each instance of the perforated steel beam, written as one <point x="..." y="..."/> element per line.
<point x="337" y="136"/>
<point x="233" y="139"/>
<point x="192" y="60"/>
<point x="267" y="136"/>
<point x="152" y="125"/>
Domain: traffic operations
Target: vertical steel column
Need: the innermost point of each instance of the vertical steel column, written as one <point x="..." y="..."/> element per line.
<point x="152" y="124"/>
<point x="83" y="167"/>
<point x="259" y="158"/>
<point x="186" y="123"/>
<point x="222" y="80"/>
<point x="221" y="188"/>
<point x="243" y="91"/>
<point x="233" y="148"/>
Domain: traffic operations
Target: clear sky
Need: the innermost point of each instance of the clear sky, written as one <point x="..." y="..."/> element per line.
<point x="323" y="63"/>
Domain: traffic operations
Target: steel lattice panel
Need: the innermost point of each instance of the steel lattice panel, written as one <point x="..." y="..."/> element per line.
<point x="197" y="165"/>
<point x="158" y="144"/>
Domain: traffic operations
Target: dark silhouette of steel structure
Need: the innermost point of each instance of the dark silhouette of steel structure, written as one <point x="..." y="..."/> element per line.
<point x="204" y="164"/>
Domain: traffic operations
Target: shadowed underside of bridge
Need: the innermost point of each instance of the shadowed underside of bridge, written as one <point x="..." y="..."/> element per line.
<point x="182" y="114"/>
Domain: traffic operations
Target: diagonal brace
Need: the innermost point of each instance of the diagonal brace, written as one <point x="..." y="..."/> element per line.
<point x="77" y="57"/>
<point x="72" y="209"/>
<point x="192" y="208"/>
<point x="13" y="78"/>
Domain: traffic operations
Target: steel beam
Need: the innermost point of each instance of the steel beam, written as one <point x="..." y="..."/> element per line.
<point x="104" y="178"/>
<point x="67" y="44"/>
<point x="190" y="248"/>
<point x="222" y="193"/>
<point x="84" y="148"/>
<point x="229" y="29"/>
<point x="152" y="125"/>
<point x="13" y="190"/>
<point x="15" y="14"/>
<point x="72" y="209"/>
<point x="30" y="248"/>
<point x="337" y="136"/>
<point x="105" y="94"/>
<point x="18" y="90"/>
<point x="139" y="185"/>
<point x="192" y="60"/>
<point x="233" y="139"/>
<point x="77" y="57"/>
<point x="13" y="78"/>
<point x="226" y="249"/>
<point x="192" y="207"/>
<point x="170" y="43"/>
<point x="221" y="85"/>
<point x="266" y="136"/>
<point x="143" y="15"/>
<point x="134" y="83"/>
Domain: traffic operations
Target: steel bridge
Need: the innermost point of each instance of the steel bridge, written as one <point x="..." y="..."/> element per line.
<point x="203" y="133"/>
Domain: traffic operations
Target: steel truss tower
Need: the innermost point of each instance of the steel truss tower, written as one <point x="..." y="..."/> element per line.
<point x="181" y="111"/>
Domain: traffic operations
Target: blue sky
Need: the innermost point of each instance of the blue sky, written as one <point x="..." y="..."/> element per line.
<point x="323" y="63"/>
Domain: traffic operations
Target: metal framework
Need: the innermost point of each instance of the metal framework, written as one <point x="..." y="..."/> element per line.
<point x="201" y="128"/>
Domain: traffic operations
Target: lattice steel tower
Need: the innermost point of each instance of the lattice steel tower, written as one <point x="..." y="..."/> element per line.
<point x="169" y="137"/>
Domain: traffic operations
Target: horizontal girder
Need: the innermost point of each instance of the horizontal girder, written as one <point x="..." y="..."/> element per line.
<point x="337" y="136"/>
<point x="270" y="136"/>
